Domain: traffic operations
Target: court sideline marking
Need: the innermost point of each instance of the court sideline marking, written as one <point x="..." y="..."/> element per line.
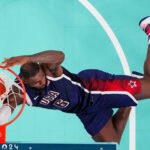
<point x="123" y="60"/>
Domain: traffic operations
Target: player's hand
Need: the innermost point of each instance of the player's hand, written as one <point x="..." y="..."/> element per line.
<point x="10" y="62"/>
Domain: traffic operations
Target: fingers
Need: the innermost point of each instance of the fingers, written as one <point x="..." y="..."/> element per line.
<point x="10" y="62"/>
<point x="8" y="66"/>
<point x="7" y="63"/>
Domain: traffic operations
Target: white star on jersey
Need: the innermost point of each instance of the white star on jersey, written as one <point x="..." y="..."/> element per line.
<point x="132" y="84"/>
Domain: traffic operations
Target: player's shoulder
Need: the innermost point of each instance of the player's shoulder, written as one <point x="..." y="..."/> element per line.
<point x="52" y="70"/>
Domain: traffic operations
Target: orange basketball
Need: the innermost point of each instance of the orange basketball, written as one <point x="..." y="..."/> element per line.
<point x="2" y="87"/>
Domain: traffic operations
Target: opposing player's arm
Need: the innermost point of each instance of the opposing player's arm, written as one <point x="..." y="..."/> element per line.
<point x="51" y="57"/>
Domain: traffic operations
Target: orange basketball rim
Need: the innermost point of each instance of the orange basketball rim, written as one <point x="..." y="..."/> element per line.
<point x="3" y="127"/>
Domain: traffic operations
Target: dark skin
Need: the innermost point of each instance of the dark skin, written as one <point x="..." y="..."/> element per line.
<point x="38" y="81"/>
<point x="17" y="94"/>
<point x="114" y="128"/>
<point x="51" y="66"/>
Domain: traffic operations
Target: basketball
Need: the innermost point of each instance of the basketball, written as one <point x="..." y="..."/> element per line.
<point x="2" y="87"/>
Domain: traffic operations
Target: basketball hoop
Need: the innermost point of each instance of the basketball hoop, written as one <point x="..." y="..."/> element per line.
<point x="6" y="84"/>
<point x="2" y="92"/>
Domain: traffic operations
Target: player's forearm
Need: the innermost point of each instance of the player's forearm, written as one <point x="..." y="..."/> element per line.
<point x="50" y="56"/>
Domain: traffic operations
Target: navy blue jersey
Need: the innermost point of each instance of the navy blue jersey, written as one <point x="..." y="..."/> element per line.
<point x="91" y="94"/>
<point x="66" y="93"/>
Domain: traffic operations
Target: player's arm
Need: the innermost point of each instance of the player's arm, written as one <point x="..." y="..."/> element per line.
<point x="51" y="60"/>
<point x="114" y="128"/>
<point x="10" y="103"/>
<point x="14" y="98"/>
<point x="50" y="57"/>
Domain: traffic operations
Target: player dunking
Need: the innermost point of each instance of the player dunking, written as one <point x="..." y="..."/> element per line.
<point x="90" y="94"/>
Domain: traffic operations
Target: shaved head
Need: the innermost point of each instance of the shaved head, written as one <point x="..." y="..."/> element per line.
<point x="34" y="76"/>
<point x="29" y="70"/>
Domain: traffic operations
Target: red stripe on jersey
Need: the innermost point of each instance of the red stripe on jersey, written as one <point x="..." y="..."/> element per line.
<point x="133" y="86"/>
<point x="148" y="31"/>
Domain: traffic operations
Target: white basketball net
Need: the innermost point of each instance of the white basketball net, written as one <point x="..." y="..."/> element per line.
<point x="12" y="88"/>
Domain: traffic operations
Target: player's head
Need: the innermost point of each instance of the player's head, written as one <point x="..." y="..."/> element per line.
<point x="33" y="75"/>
